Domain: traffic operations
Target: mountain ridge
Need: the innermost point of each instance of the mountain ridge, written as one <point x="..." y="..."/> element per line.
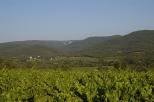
<point x="107" y="46"/>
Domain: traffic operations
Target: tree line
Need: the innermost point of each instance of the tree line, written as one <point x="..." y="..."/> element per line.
<point x="130" y="61"/>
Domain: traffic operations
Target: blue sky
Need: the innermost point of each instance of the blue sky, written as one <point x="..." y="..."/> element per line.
<point x="72" y="19"/>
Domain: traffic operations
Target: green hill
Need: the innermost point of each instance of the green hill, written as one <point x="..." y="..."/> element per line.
<point x="139" y="41"/>
<point x="110" y="46"/>
<point x="29" y="48"/>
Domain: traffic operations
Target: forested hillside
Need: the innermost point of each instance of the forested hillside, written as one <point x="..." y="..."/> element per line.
<point x="110" y="46"/>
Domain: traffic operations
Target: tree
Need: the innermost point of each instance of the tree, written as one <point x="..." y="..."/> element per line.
<point x="116" y="64"/>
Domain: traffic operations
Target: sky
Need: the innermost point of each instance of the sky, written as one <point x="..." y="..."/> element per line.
<point x="72" y="19"/>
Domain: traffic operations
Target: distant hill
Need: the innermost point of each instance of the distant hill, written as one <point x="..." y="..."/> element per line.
<point x="9" y="50"/>
<point x="139" y="41"/>
<point x="110" y="46"/>
<point x="33" y="48"/>
<point x="88" y="42"/>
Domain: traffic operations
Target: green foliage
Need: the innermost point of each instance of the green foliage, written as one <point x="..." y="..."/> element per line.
<point x="52" y="62"/>
<point x="76" y="86"/>
<point x="70" y="62"/>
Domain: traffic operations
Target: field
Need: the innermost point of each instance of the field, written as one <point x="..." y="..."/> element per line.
<point x="76" y="85"/>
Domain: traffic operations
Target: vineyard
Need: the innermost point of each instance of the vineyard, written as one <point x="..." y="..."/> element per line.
<point x="31" y="85"/>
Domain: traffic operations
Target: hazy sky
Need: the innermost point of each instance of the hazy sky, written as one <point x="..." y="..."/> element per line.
<point x="72" y="19"/>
